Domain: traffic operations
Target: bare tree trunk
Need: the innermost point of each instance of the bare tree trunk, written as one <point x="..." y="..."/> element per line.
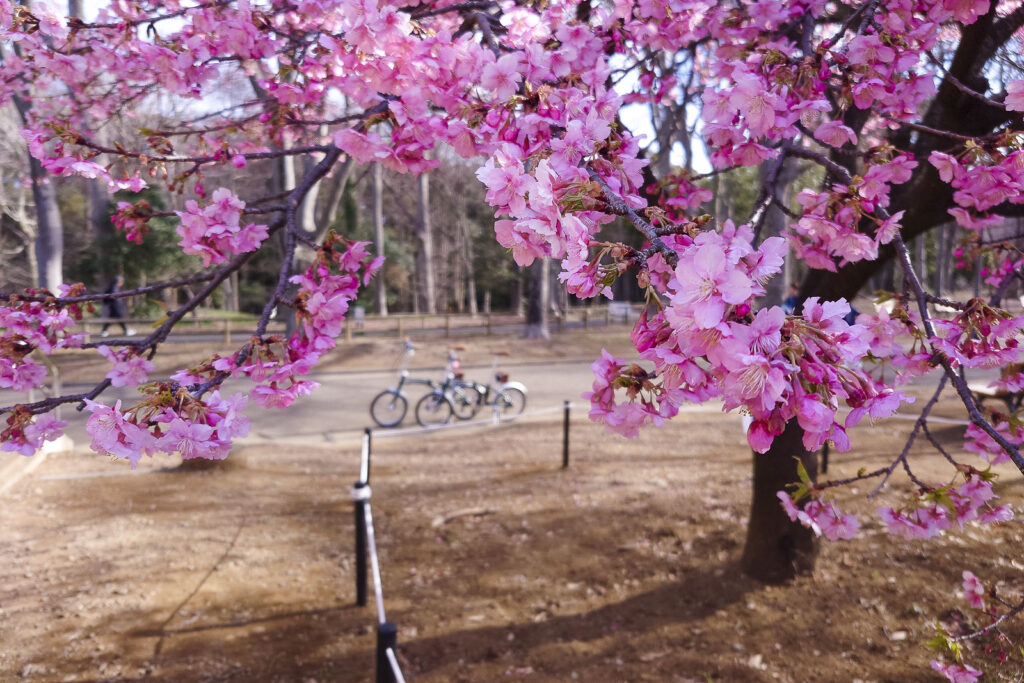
<point x="425" y="255"/>
<point x="538" y="300"/>
<point x="50" y="238"/>
<point x="778" y="549"/>
<point x="519" y="293"/>
<point x="49" y="227"/>
<point x="230" y="291"/>
<point x="466" y="255"/>
<point x="378" y="234"/>
<point x="474" y="310"/>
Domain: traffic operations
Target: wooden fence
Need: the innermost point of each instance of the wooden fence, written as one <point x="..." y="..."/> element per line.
<point x="395" y="325"/>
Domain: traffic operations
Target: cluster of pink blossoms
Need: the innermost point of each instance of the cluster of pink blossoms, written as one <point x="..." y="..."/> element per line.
<point x="957" y="673"/>
<point x="706" y="342"/>
<point x="26" y="326"/>
<point x="170" y="421"/>
<point x="276" y="366"/>
<point x="821" y="517"/>
<point x="26" y="435"/>
<point x="828" y="234"/>
<point x="214" y="232"/>
<point x="981" y="182"/>
<point x="976" y="440"/>
<point x="130" y="369"/>
<point x="940" y="509"/>
<point x="131" y="219"/>
<point x="174" y="419"/>
<point x="979" y="337"/>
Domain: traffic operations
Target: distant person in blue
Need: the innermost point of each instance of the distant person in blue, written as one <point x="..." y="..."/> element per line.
<point x="790" y="303"/>
<point x="113" y="308"/>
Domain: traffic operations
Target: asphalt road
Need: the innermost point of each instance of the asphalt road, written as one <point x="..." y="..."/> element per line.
<point x="339" y="409"/>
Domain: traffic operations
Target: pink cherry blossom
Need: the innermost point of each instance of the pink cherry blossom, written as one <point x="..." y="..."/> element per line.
<point x="974" y="592"/>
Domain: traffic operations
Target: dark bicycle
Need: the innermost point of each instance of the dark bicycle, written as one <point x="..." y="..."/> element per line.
<point x="389" y="407"/>
<point x="452" y="397"/>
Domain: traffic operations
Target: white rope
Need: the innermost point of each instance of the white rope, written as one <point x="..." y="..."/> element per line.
<point x="396" y="670"/>
<point x="371" y="546"/>
<point x="455" y="424"/>
<point x="364" y="462"/>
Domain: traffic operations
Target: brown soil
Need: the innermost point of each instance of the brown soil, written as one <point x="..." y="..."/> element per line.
<point x="497" y="565"/>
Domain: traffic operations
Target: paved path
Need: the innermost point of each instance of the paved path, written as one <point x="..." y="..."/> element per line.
<point x="339" y="409"/>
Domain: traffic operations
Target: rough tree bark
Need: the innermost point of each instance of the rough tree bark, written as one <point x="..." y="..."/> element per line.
<point x="777" y="549"/>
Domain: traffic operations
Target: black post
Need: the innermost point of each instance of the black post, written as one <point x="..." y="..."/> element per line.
<point x="565" y="438"/>
<point x="824" y="458"/>
<point x="387" y="637"/>
<point x="360" y="510"/>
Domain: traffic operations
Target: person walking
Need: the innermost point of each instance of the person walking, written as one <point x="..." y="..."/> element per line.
<point x="114" y="308"/>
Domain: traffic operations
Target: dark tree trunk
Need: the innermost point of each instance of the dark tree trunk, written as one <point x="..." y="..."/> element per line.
<point x="778" y="549"/>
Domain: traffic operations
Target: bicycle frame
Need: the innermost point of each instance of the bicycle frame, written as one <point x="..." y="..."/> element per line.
<point x="403" y="373"/>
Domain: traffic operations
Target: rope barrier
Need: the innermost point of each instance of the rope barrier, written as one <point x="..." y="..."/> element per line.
<point x="388" y="670"/>
<point x="371" y="544"/>
<point x="396" y="671"/>
<point x="380" y="434"/>
<point x="364" y="461"/>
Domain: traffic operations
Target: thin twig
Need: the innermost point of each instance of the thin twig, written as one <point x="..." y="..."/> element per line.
<point x="618" y="206"/>
<point x="980" y="632"/>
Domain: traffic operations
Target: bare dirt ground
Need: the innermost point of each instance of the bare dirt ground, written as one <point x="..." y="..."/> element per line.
<point x="497" y="564"/>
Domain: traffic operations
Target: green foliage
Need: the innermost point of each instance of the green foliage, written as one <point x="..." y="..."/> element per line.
<point x="157" y="258"/>
<point x="740" y="188"/>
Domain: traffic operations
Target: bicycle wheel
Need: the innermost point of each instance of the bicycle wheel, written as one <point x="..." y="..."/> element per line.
<point x="509" y="403"/>
<point x="388" y="408"/>
<point x="433" y="409"/>
<point x="465" y="401"/>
